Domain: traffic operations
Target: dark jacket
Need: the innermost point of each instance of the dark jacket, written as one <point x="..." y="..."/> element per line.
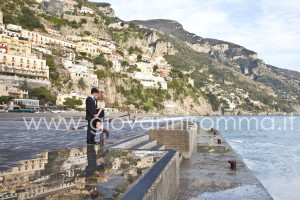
<point x="91" y="108"/>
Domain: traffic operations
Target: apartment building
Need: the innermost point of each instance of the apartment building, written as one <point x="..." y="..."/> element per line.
<point x="146" y="68"/>
<point x="42" y="39"/>
<point x="88" y="48"/>
<point x="13" y="90"/>
<point x="21" y="65"/>
<point x="16" y="46"/>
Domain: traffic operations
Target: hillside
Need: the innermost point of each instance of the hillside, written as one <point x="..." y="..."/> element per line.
<point x="157" y="67"/>
<point x="284" y="83"/>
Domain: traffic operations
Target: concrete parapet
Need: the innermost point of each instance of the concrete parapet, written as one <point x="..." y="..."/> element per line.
<point x="182" y="137"/>
<point x="160" y="182"/>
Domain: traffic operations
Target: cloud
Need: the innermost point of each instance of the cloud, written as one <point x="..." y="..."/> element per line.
<point x="269" y="27"/>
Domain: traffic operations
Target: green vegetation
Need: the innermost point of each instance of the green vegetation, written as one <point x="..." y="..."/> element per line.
<point x="81" y="84"/>
<point x="72" y="102"/>
<point x="124" y="63"/>
<point x="59" y="22"/>
<point x="120" y="52"/>
<point x="202" y="67"/>
<point x="214" y="101"/>
<point x="100" y="60"/>
<point x="43" y="95"/>
<point x="5" y="99"/>
<point x="16" y="12"/>
<point x="53" y="74"/>
<point x="132" y="50"/>
<point x="28" y="20"/>
<point x="146" y="99"/>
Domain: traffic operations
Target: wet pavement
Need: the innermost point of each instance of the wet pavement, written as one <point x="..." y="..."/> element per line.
<point x="208" y="174"/>
<point x="22" y="139"/>
<point x="76" y="173"/>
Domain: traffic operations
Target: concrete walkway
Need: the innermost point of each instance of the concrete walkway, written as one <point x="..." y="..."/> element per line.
<point x="208" y="174"/>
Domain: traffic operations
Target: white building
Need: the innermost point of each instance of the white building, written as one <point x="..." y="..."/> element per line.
<point x="43" y="50"/>
<point x="42" y="39"/>
<point x="86" y="10"/>
<point x="146" y="81"/>
<point x="13" y="27"/>
<point x="61" y="98"/>
<point x="170" y="104"/>
<point x="117" y="65"/>
<point x="132" y="58"/>
<point x="106" y="50"/>
<point x="29" y="103"/>
<point x="146" y="68"/>
<point x="80" y="70"/>
<point x="162" y="82"/>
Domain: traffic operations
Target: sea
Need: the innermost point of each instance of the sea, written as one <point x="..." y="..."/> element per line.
<point x="269" y="145"/>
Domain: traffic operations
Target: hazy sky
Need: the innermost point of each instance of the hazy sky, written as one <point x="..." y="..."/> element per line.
<point x="269" y="27"/>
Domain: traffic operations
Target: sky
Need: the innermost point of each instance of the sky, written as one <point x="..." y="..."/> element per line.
<point x="269" y="27"/>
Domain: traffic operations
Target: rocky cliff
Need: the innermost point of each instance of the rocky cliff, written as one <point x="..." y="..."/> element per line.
<point x="236" y="57"/>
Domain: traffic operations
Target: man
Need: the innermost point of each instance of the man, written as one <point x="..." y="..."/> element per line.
<point x="91" y="110"/>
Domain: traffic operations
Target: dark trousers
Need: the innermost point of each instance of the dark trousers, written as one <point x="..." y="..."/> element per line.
<point x="91" y="131"/>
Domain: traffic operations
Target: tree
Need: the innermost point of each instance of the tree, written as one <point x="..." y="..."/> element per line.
<point x="43" y="95"/>
<point x="214" y="101"/>
<point x="72" y="102"/>
<point x="146" y="108"/>
<point x="155" y="68"/>
<point x="87" y="33"/>
<point x="83" y="21"/>
<point x="133" y="25"/>
<point x="50" y="63"/>
<point x="120" y="52"/>
<point x="81" y="84"/>
<point x="5" y="99"/>
<point x="28" y="20"/>
<point x="124" y="63"/>
<point x="139" y="58"/>
<point x="100" y="60"/>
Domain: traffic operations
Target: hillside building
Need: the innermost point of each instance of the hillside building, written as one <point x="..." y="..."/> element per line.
<point x="13" y="90"/>
<point x="61" y="98"/>
<point x="42" y="39"/>
<point x="80" y="70"/>
<point x="13" y="27"/>
<point x="11" y="64"/>
<point x="88" y="48"/>
<point x="16" y="46"/>
<point x="146" y="68"/>
<point x="69" y="5"/>
<point x="86" y="10"/>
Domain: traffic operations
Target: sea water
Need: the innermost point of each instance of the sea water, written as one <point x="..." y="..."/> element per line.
<point x="270" y="146"/>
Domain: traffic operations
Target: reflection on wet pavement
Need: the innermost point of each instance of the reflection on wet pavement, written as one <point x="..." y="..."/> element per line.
<point x="19" y="143"/>
<point x="77" y="173"/>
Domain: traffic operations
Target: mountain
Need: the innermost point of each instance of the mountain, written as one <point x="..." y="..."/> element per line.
<point x="284" y="83"/>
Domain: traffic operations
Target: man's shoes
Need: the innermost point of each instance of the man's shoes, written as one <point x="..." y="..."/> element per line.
<point x="91" y="142"/>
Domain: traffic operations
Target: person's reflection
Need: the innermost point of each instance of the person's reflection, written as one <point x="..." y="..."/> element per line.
<point x="94" y="169"/>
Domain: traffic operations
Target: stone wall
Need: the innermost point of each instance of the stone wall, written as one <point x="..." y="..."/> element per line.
<point x="177" y="137"/>
<point x="160" y="182"/>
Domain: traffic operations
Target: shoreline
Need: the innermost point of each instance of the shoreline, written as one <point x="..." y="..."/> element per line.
<point x="77" y="115"/>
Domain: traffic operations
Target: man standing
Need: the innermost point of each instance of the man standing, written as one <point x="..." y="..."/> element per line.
<point x="91" y="110"/>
